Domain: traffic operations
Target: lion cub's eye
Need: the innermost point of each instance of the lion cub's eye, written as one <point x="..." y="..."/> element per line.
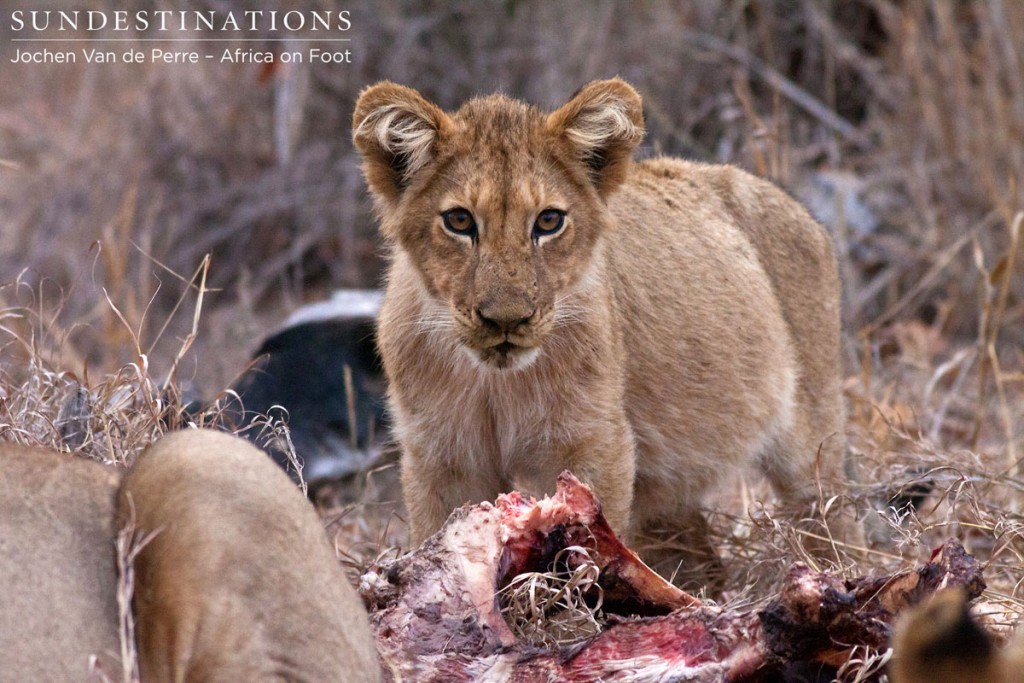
<point x="460" y="222"/>
<point x="549" y="222"/>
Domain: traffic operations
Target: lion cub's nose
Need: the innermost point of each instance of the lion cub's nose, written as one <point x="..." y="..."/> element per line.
<point x="504" y="319"/>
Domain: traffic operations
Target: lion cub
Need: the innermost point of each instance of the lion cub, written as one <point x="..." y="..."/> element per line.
<point x="553" y="305"/>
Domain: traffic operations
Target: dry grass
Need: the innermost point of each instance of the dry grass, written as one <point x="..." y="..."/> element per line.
<point x="111" y="170"/>
<point x="114" y="181"/>
<point x="129" y="544"/>
<point x="559" y="606"/>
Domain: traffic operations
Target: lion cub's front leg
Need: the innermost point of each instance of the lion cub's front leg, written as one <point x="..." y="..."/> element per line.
<point x="434" y="486"/>
<point x="605" y="461"/>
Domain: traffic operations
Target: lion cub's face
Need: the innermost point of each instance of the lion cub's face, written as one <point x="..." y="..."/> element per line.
<point x="498" y="205"/>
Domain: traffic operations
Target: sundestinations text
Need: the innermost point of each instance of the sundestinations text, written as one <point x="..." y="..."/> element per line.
<point x="180" y="20"/>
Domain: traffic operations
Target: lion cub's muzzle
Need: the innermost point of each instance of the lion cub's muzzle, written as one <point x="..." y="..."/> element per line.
<point x="505" y="323"/>
<point x="506" y="335"/>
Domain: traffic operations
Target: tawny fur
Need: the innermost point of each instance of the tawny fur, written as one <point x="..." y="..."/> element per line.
<point x="238" y="584"/>
<point x="58" y="577"/>
<point x="683" y="323"/>
<point x="939" y="641"/>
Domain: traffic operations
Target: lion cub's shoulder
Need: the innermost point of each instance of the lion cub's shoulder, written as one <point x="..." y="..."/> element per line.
<point x="696" y="192"/>
<point x="722" y="184"/>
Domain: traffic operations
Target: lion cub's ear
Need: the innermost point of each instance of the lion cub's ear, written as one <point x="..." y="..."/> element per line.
<point x="603" y="122"/>
<point x="395" y="130"/>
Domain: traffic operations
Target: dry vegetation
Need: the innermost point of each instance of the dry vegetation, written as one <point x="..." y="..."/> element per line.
<point x="899" y="122"/>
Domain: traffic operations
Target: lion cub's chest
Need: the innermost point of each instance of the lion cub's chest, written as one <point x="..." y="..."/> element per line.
<point x="510" y="423"/>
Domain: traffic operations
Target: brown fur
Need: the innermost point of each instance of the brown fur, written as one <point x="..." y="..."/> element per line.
<point x="58" y="600"/>
<point x="684" y="322"/>
<point x="238" y="584"/>
<point x="939" y="641"/>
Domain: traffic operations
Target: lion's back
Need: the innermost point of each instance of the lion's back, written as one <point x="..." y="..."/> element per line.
<point x="56" y="555"/>
<point x="728" y="297"/>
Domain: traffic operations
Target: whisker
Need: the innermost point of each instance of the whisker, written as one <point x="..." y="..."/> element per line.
<point x="431" y="322"/>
